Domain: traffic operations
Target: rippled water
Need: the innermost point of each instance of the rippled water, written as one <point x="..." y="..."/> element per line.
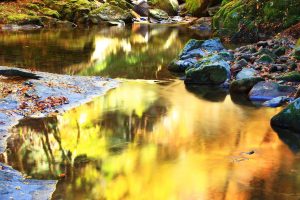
<point x="146" y="139"/>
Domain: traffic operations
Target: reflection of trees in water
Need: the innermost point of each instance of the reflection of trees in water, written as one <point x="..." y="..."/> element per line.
<point x="149" y="50"/>
<point x="44" y="50"/>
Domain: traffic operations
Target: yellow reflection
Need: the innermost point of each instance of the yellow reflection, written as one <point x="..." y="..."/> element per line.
<point x="163" y="142"/>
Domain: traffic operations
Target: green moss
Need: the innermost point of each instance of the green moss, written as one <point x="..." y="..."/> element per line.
<point x="49" y="12"/>
<point x="16" y="18"/>
<point x="32" y="6"/>
<point x="290" y="77"/>
<point x="246" y="17"/>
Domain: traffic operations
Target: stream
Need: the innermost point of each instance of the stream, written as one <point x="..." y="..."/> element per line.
<point x="152" y="137"/>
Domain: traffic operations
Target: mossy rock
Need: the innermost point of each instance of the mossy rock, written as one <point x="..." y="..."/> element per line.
<point x="290" y="77"/>
<point x="23" y="19"/>
<point x="158" y="14"/>
<point x="288" y="118"/>
<point x="107" y="12"/>
<point x="280" y="51"/>
<point x="211" y="70"/>
<point x="169" y="6"/>
<point x="244" y="85"/>
<point x="297" y="53"/>
<point x="265" y="58"/>
<point x="32" y="6"/>
<point x="51" y="13"/>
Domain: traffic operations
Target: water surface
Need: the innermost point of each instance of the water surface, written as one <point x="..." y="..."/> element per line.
<point x="146" y="139"/>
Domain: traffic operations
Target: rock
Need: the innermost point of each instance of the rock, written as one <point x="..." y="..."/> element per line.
<point x="107" y="12"/>
<point x="212" y="45"/>
<point x="211" y="70"/>
<point x="50" y="22"/>
<point x="266" y="59"/>
<point x="277" y="67"/>
<point x="158" y="14"/>
<point x="142" y="8"/>
<point x="264" y="91"/>
<point x="240" y="64"/>
<point x="277" y="101"/>
<point x="297" y="95"/>
<point x="290" y="77"/>
<point x="171" y="7"/>
<point x="279" y="51"/>
<point x="247" y="56"/>
<point x="189" y="46"/>
<point x="262" y="43"/>
<point x="202" y="24"/>
<point x="246" y="73"/>
<point x="288" y="118"/>
<point x="283" y="58"/>
<point x="197" y="8"/>
<point x="14" y="186"/>
<point x="265" y="51"/>
<point x="213" y="10"/>
<point x="244" y="85"/>
<point x="226" y="55"/>
<point x="195" y="53"/>
<point x="50" y="13"/>
<point x="182" y="65"/>
<point x="297" y="53"/>
<point x="194" y="50"/>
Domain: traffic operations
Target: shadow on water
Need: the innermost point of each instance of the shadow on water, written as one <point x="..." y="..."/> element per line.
<point x="210" y="93"/>
<point x="290" y="138"/>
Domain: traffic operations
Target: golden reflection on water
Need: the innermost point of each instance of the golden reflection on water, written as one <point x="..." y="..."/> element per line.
<point x="158" y="141"/>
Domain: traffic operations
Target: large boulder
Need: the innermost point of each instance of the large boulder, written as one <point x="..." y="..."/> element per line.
<point x="289" y="117"/>
<point x="264" y="91"/>
<point x="245" y="19"/>
<point x="211" y="70"/>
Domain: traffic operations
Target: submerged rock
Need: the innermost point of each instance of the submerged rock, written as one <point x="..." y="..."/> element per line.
<point x="277" y="101"/>
<point x="14" y="186"/>
<point x="288" y="118"/>
<point x="211" y="70"/>
<point x="264" y="91"/>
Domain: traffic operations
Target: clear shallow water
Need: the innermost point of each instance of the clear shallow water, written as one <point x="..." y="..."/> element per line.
<point x="151" y="140"/>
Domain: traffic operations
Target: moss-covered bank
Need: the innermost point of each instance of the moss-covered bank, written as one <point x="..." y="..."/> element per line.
<point x="252" y="19"/>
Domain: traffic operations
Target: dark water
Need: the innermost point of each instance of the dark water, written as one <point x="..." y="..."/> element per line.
<point x="146" y="139"/>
